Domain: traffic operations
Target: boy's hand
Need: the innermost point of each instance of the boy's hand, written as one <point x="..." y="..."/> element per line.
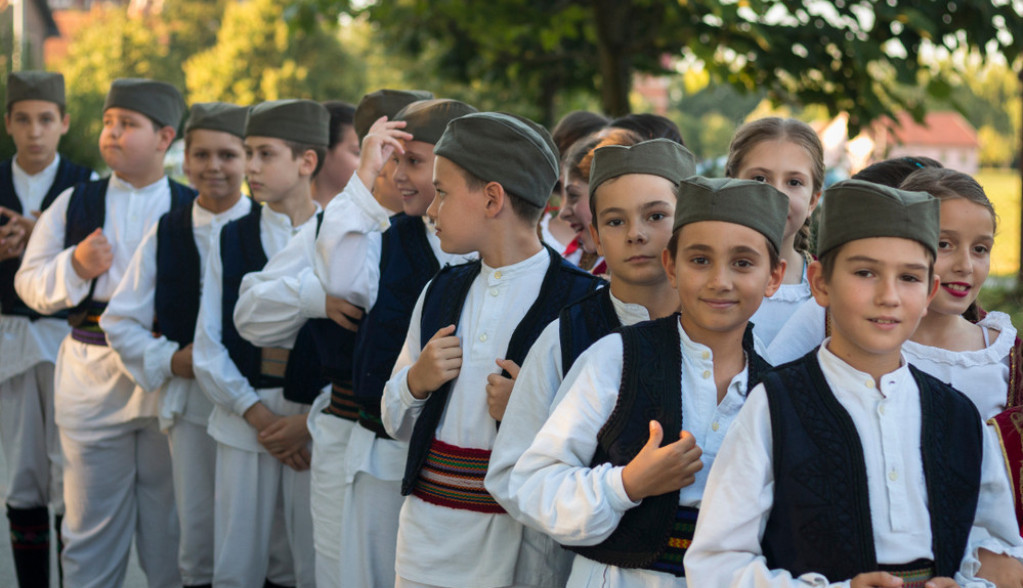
<point x="944" y="583"/>
<point x="382" y="140"/>
<point x="499" y="388"/>
<point x="1001" y="570"/>
<point x="259" y="417"/>
<point x="181" y="363"/>
<point x="344" y="313"/>
<point x="92" y="256"/>
<point x="876" y="580"/>
<point x="439" y="362"/>
<point x="15" y="233"/>
<point x="286" y="439"/>
<point x="657" y="470"/>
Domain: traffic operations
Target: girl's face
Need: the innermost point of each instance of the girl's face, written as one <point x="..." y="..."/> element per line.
<point x="964" y="254"/>
<point x="788" y="167"/>
<point x="575" y="210"/>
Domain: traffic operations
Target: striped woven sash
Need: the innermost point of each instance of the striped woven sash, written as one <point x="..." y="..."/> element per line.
<point x="89" y="331"/>
<point x="914" y="574"/>
<point x="670" y="560"/>
<point x="342" y="403"/>
<point x="453" y="477"/>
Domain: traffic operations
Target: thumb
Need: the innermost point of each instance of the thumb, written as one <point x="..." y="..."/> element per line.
<point x="97" y="233"/>
<point x="656" y="435"/>
<point x="443" y="332"/>
<point x="509" y="366"/>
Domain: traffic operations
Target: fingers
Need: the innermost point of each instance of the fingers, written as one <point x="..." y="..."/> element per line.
<point x="350" y="310"/>
<point x="656" y="436"/>
<point x="876" y="580"/>
<point x="4" y="211"/>
<point x="443" y="332"/>
<point x="941" y="583"/>
<point x="509" y="366"/>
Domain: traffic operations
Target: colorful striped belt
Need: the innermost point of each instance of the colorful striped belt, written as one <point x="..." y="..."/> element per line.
<point x="273" y="361"/>
<point x="342" y="403"/>
<point x="88" y="330"/>
<point x="453" y="477"/>
<point x="914" y="574"/>
<point x="670" y="560"/>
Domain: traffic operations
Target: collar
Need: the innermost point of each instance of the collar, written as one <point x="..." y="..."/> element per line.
<point x="119" y="184"/>
<point x="629" y="313"/>
<point x="837" y="370"/>
<point x="700" y="352"/>
<point x="201" y="215"/>
<point x="50" y="169"/>
<point x="511" y="272"/>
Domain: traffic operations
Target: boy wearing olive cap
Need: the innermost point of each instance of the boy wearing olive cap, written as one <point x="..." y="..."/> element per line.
<point x="262" y="477"/>
<point x="116" y="461"/>
<point x="849" y="465"/>
<point x="615" y="474"/>
<point x="493" y="173"/>
<point x="151" y="318"/>
<point x="29" y="182"/>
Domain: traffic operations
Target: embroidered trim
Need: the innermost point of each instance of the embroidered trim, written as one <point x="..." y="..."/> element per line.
<point x="89" y="331"/>
<point x="670" y="560"/>
<point x="914" y="574"/>
<point x="453" y="477"/>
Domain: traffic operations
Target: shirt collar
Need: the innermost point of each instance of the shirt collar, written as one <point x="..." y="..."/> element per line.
<point x="837" y="370"/>
<point x="510" y="272"/>
<point x="739" y="383"/>
<point x="118" y="183"/>
<point x="629" y="313"/>
<point x="50" y="169"/>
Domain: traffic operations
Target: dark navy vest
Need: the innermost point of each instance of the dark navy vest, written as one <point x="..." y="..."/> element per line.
<point x="68" y="174"/>
<point x="583" y="322"/>
<point x="820" y="521"/>
<point x="442" y="305"/>
<point x="178" y="271"/>
<point x="651" y="389"/>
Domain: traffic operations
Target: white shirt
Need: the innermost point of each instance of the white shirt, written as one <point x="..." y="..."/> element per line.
<point x="446" y="546"/>
<point x="800" y="334"/>
<point x="559" y="493"/>
<point x="740" y="491"/>
<point x="129" y="316"/>
<point x="776" y="310"/>
<point x="217" y="374"/>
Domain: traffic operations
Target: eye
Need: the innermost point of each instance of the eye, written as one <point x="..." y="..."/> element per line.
<point x="796" y="182"/>
<point x="657" y="216"/>
<point x="913" y="278"/>
<point x="699" y="260"/>
<point x="743" y="263"/>
<point x="981" y="249"/>
<point x="614" y="222"/>
<point x="943" y="244"/>
<point x="863" y="273"/>
<point x="759" y="178"/>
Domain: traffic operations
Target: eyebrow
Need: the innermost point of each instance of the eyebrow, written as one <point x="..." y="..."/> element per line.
<point x="765" y="170"/>
<point x="905" y="266"/>
<point x="744" y="249"/>
<point x="620" y="210"/>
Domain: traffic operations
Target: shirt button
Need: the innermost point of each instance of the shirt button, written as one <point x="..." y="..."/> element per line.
<point x="714" y="426"/>
<point x="493" y="291"/>
<point x="497" y="275"/>
<point x="483" y="337"/>
<point x="869" y="383"/>
<point x="706" y="355"/>
<point x="893" y="475"/>
<point x="880" y="409"/>
<point x="706" y="374"/>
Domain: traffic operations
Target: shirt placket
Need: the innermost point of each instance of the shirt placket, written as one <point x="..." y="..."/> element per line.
<point x="887" y="413"/>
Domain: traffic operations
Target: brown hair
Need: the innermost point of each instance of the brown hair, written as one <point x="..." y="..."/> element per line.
<point x="522" y="208"/>
<point x="773" y="257"/>
<point x="580" y="156"/>
<point x="774" y="128"/>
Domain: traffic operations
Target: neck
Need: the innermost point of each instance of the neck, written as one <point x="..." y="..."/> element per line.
<point x="875" y="364"/>
<point x="34" y="168"/>
<point x="510" y="246"/>
<point x="142" y="178"/>
<point x="948" y="331"/>
<point x="323" y="191"/>
<point x="659" y="299"/>
<point x="218" y="205"/>
<point x="298" y="205"/>
<point x="794" y="261"/>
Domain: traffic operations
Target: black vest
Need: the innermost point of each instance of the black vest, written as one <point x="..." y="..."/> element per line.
<point x="820" y="521"/>
<point x="651" y="389"/>
<point x="178" y="270"/>
<point x="68" y="174"/>
<point x="581" y="323"/>
<point x="442" y="305"/>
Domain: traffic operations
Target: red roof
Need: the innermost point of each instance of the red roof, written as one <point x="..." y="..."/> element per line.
<point x="945" y="128"/>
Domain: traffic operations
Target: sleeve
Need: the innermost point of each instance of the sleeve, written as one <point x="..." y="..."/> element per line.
<point x="528" y="407"/>
<point x="217" y="375"/>
<point x="558" y="492"/>
<point x="801" y="334"/>
<point x="736" y="504"/>
<point x="46" y="280"/>
<point x="347" y="260"/>
<point x="275" y="302"/>
<point x="128" y="321"/>
<point x="399" y="409"/>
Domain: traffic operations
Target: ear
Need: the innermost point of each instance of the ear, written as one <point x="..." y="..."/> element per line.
<point x="65" y="124"/>
<point x="307" y="166"/>
<point x="165" y="137"/>
<point x="668" y="261"/>
<point x="495" y="199"/>
<point x="819" y="287"/>
<point x="935" y="284"/>
<point x="774" y="282"/>
<point x="814" y="201"/>
<point x="7" y="123"/>
<point x="596" y="239"/>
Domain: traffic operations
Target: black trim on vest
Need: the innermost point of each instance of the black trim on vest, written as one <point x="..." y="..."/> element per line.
<point x="583" y="322"/>
<point x="178" y="269"/>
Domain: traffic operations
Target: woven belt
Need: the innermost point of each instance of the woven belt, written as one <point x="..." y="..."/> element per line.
<point x="342" y="403"/>
<point x="682" y="529"/>
<point x="274" y="361"/>
<point x="88" y="330"/>
<point x="914" y="574"/>
<point x="453" y="477"/>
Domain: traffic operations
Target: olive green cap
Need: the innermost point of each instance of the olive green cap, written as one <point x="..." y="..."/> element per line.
<point x="426" y="120"/>
<point x="857" y="209"/>
<point x="383" y="103"/>
<point x="35" y="85"/>
<point x="657" y="157"/>
<point x="301" y="121"/>
<point x="756" y="205"/>
<point x="504" y="148"/>
<point x="159" y="101"/>
<point x="218" y="116"/>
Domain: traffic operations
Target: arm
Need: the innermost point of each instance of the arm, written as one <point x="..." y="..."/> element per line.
<point x="801" y="334"/>
<point x="399" y="409"/>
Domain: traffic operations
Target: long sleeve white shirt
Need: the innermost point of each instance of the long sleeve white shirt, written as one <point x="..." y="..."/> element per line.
<point x="800" y="334"/>
<point x="740" y="492"/>
<point x="92" y="388"/>
<point x="129" y="316"/>
<point x="558" y="491"/>
<point x="445" y="546"/>
<point x="776" y="310"/>
<point x="217" y="374"/>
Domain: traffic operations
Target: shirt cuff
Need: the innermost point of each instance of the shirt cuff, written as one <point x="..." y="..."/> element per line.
<point x="77" y="288"/>
<point x="156" y="364"/>
<point x="364" y="200"/>
<point x="247" y="400"/>
<point x="312" y="298"/>
<point x="407" y="399"/>
<point x="617" y="496"/>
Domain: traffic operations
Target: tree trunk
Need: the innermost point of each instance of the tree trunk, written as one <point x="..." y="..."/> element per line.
<point x="612" y="18"/>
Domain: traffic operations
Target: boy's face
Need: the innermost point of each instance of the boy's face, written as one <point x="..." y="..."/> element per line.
<point x="722" y="272"/>
<point x="215" y="163"/>
<point x="457" y="211"/>
<point x="413" y="176"/>
<point x="877" y="294"/>
<point x="633" y="226"/>
<point x="271" y="169"/>
<point x="130" y="143"/>
<point x="36" y="127"/>
<point x="342" y="160"/>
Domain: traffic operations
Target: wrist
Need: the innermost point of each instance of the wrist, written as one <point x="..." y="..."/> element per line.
<point x="633" y="488"/>
<point x="258" y="416"/>
<point x="77" y="266"/>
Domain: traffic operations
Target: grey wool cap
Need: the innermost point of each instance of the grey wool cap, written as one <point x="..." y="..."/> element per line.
<point x="383" y="103"/>
<point x="504" y="148"/>
<point x="426" y="120"/>
<point x="301" y="121"/>
<point x="657" y="157"/>
<point x="159" y="101"/>
<point x="218" y="116"/>
<point x="35" y="85"/>
<point x="756" y="205"/>
<point x="857" y="209"/>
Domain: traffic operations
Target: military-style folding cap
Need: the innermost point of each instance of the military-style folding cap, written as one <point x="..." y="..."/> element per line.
<point x="756" y="205"/>
<point x="657" y="157"/>
<point x="159" y="101"/>
<point x="383" y="103"/>
<point x="426" y="120"/>
<point x="35" y="85"/>
<point x="218" y="116"/>
<point x="301" y="121"/>
<point x="856" y="209"/>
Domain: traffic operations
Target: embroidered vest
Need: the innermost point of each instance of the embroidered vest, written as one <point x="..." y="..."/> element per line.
<point x="583" y="322"/>
<point x="820" y="521"/>
<point x="651" y="389"/>
<point x="442" y="305"/>
<point x="68" y="174"/>
<point x="178" y="269"/>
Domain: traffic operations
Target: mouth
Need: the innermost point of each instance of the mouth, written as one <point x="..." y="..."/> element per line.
<point x="885" y="323"/>
<point x="640" y="259"/>
<point x="719" y="304"/>
<point x="254" y="186"/>
<point x="957" y="289"/>
<point x="407" y="194"/>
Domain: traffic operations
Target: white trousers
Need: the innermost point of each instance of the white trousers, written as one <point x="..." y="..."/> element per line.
<point x="262" y="522"/>
<point x="30" y="440"/>
<point x="370" y="536"/>
<point x="327" y="489"/>
<point x="118" y="485"/>
<point x="194" y="459"/>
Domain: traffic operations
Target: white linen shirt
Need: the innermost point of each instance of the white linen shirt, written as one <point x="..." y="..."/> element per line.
<point x="92" y="389"/>
<point x="740" y="492"/>
<point x="129" y="317"/>
<point x="800" y="334"/>
<point x="445" y="546"/>
<point x="776" y="310"/>
<point x="217" y="374"/>
<point x="557" y="490"/>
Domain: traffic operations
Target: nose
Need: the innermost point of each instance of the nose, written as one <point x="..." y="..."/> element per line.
<point x="636" y="233"/>
<point x="961" y="261"/>
<point x="887" y="291"/>
<point x="720" y="278"/>
<point x="400" y="173"/>
<point x="432" y="210"/>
